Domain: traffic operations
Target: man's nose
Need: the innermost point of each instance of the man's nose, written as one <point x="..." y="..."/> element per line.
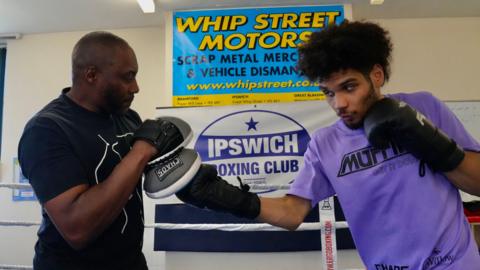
<point x="134" y="87"/>
<point x="340" y="101"/>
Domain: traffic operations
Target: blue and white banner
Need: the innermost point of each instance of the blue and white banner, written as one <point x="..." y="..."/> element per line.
<point x="21" y="194"/>
<point x="244" y="56"/>
<point x="263" y="145"/>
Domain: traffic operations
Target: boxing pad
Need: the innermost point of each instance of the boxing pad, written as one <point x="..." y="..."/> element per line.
<point x="166" y="176"/>
<point x="391" y="120"/>
<point x="168" y="134"/>
<point x="208" y="190"/>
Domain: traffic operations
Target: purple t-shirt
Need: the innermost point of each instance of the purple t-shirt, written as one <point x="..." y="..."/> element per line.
<point x="398" y="219"/>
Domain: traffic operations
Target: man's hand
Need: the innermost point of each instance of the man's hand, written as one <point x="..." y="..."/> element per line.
<point x="389" y="119"/>
<point x="208" y="190"/>
<point x="166" y="134"/>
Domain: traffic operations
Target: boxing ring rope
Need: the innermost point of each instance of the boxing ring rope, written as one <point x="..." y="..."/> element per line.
<point x="14" y="266"/>
<point x="14" y="185"/>
<point x="19" y="223"/>
<point x="307" y="226"/>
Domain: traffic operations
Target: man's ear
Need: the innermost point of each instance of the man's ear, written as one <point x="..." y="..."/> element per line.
<point x="377" y="76"/>
<point x="91" y="74"/>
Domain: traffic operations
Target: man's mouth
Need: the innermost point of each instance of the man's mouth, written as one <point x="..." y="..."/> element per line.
<point x="345" y="116"/>
<point x="130" y="100"/>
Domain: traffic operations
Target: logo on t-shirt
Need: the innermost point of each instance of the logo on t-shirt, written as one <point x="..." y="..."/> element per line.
<point x="368" y="157"/>
<point x="381" y="266"/>
<point x="437" y="259"/>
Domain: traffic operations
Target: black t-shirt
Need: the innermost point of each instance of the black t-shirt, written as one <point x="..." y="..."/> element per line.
<point x="65" y="145"/>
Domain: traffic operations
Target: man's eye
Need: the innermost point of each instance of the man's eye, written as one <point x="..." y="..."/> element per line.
<point x="129" y="77"/>
<point x="327" y="93"/>
<point x="350" y="87"/>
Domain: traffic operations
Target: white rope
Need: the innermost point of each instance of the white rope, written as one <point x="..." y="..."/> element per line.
<point x="18" y="223"/>
<point x="13" y="266"/>
<point x="308" y="226"/>
<point x="15" y="185"/>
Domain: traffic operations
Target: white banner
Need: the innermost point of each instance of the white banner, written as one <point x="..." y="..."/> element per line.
<point x="262" y="144"/>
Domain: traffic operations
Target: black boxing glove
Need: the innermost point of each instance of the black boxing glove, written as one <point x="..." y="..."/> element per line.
<point x="208" y="190"/>
<point x="167" y="134"/>
<point x="391" y="120"/>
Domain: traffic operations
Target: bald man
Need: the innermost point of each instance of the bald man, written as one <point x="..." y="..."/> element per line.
<point x="78" y="155"/>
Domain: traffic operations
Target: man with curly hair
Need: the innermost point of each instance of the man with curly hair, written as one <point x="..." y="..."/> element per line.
<point x="395" y="162"/>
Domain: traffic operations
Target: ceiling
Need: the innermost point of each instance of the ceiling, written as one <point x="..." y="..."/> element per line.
<point x="44" y="16"/>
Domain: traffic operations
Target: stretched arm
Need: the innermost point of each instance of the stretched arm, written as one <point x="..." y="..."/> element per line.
<point x="82" y="212"/>
<point x="208" y="190"/>
<point x="287" y="212"/>
<point x="466" y="176"/>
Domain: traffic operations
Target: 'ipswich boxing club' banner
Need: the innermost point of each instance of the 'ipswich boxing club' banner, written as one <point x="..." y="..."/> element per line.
<point x="244" y="56"/>
<point x="263" y="145"/>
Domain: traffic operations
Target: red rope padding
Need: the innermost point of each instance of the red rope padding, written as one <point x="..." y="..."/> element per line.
<point x="472" y="216"/>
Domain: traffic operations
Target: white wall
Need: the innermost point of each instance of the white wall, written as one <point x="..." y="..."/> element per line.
<point x="440" y="55"/>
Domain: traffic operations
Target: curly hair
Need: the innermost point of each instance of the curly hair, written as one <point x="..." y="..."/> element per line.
<point x="350" y="45"/>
